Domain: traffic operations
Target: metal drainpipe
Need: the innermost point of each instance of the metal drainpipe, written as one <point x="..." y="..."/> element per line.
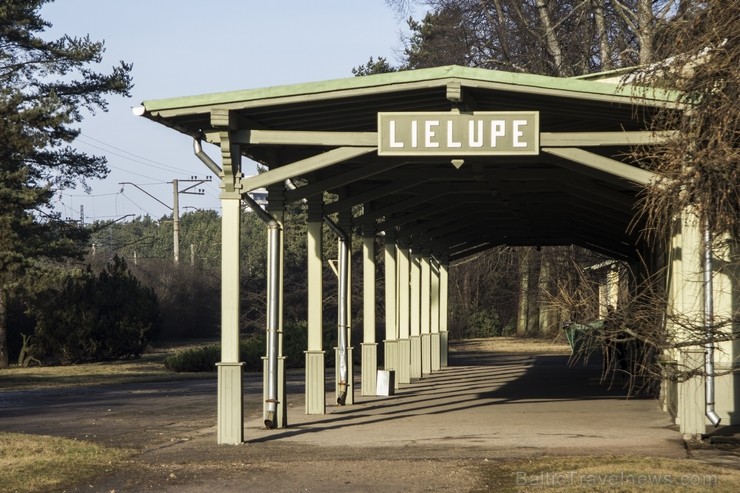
<point x="342" y="303"/>
<point x="273" y="318"/>
<point x="273" y="291"/>
<point x="708" y="319"/>
<point x="342" y="309"/>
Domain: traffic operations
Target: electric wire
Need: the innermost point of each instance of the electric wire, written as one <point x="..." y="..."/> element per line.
<point x="133" y="157"/>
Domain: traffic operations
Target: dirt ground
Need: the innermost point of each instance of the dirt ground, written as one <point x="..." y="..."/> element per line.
<point x="432" y="435"/>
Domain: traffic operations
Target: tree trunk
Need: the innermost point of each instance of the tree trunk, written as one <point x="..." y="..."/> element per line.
<point x="553" y="46"/>
<point x="544" y="289"/>
<point x="604" y="52"/>
<point x="4" y="358"/>
<point x="524" y="301"/>
<point x="645" y="30"/>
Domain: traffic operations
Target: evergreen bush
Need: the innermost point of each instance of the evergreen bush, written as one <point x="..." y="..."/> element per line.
<point x="95" y="318"/>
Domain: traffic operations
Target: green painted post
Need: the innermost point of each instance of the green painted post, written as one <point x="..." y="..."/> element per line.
<point x="369" y="346"/>
<point x="443" y="308"/>
<point x="345" y="224"/>
<point x="434" y="315"/>
<point x="690" y="306"/>
<point x="230" y="419"/>
<point x="315" y="367"/>
<point x="404" y="334"/>
<point x="415" y="314"/>
<point x="391" y="310"/>
<point x="426" y="300"/>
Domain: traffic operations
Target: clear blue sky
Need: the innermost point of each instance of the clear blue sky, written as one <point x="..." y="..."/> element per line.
<point x="184" y="47"/>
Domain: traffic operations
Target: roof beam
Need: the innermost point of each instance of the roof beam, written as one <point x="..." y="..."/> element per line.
<point x="601" y="163"/>
<point x="590" y="139"/>
<point x="294" y="137"/>
<point x="374" y="193"/>
<point x="412" y="216"/>
<point x="340" y="180"/>
<point x="304" y="166"/>
<point x="428" y="196"/>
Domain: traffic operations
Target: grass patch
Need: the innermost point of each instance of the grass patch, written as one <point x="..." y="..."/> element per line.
<point x="517" y="345"/>
<point x="204" y="358"/>
<point x="149" y="367"/>
<point x="33" y="463"/>
<point x="623" y="474"/>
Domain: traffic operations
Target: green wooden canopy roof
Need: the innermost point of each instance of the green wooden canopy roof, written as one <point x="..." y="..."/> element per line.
<point x="581" y="188"/>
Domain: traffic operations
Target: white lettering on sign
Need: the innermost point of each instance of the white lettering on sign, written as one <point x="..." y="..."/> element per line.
<point x="475" y="134"/>
<point x="392" y="128"/>
<point x="498" y="129"/>
<point x="452" y="144"/>
<point x="518" y="133"/>
<point x="458" y="134"/>
<point x="475" y="139"/>
<point x="429" y="133"/>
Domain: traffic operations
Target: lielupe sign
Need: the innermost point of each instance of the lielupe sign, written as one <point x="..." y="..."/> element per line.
<point x="458" y="134"/>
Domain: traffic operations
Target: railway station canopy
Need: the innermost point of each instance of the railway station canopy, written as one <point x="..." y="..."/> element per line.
<point x="455" y="159"/>
<point x="443" y="163"/>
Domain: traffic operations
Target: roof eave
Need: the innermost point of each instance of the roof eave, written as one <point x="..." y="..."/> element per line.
<point x="408" y="80"/>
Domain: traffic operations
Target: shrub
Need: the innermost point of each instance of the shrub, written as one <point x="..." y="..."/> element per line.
<point x="95" y="318"/>
<point x="204" y="358"/>
<point x="197" y="359"/>
<point x="251" y="351"/>
<point x="189" y="299"/>
<point x="482" y="323"/>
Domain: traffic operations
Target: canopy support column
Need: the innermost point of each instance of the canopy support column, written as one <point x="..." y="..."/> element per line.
<point x="415" y="315"/>
<point x="230" y="390"/>
<point x="391" y="312"/>
<point x="369" y="346"/>
<point x="344" y="387"/>
<point x="444" y="269"/>
<point x="315" y="365"/>
<point x="426" y="300"/>
<point x="690" y="307"/>
<point x="404" y="309"/>
<point x="434" y="317"/>
<point x="230" y="407"/>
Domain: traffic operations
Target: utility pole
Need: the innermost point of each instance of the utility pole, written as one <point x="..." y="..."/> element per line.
<point x="176" y="219"/>
<point x="176" y="206"/>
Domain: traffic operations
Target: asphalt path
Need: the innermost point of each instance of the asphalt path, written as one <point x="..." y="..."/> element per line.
<point x="427" y="437"/>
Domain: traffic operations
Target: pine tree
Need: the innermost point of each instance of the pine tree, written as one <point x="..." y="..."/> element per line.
<point x="46" y="87"/>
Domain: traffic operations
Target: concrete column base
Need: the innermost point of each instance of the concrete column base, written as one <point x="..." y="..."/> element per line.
<point x="315" y="382"/>
<point x="369" y="368"/>
<point x="444" y="346"/>
<point x="404" y="361"/>
<point x="415" y="357"/>
<point x="668" y="397"/>
<point x="391" y="359"/>
<point x="230" y="421"/>
<point x="350" y="398"/>
<point x="281" y="417"/>
<point x="436" y="352"/>
<point x="727" y="393"/>
<point x="691" y="419"/>
<point x="426" y="354"/>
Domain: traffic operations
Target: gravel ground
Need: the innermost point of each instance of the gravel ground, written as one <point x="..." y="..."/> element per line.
<point x="432" y="435"/>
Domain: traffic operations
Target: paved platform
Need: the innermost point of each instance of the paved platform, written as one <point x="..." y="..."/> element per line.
<point x="516" y="403"/>
<point x="430" y="436"/>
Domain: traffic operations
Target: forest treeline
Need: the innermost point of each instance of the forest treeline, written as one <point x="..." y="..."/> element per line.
<point x="54" y="274"/>
<point x="484" y="290"/>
